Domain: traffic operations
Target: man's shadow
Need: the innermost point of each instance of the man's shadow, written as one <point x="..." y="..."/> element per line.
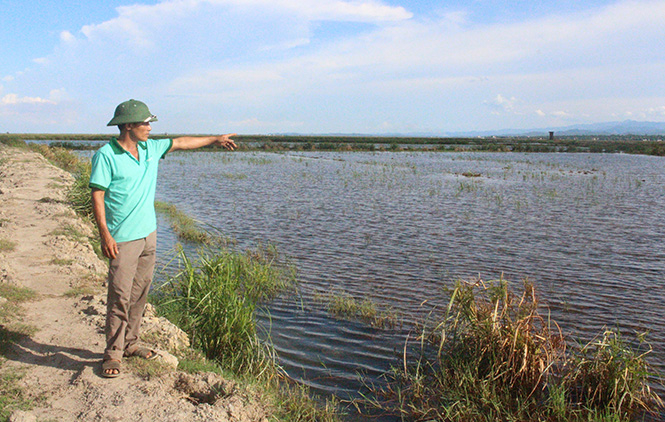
<point x="20" y="347"/>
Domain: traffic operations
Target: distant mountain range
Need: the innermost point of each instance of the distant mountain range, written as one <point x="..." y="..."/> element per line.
<point x="627" y="127"/>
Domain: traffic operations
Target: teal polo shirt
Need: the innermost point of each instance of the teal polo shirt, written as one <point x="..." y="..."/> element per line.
<point x="129" y="185"/>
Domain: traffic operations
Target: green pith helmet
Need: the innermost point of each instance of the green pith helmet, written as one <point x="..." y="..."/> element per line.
<point x="131" y="111"/>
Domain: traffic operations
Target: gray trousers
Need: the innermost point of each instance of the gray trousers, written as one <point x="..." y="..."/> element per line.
<point x="130" y="275"/>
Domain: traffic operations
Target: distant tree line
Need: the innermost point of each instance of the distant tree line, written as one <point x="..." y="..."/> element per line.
<point x="629" y="144"/>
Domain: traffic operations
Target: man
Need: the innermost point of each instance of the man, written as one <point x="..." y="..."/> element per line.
<point x="123" y="180"/>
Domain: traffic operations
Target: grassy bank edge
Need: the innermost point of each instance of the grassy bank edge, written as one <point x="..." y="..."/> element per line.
<point x="291" y="402"/>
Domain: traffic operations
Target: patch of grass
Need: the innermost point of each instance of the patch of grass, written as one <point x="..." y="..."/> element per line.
<point x="70" y="231"/>
<point x="295" y="403"/>
<point x="234" y="176"/>
<point x="185" y="227"/>
<point x="194" y="362"/>
<point x="62" y="262"/>
<point x="492" y="356"/>
<point x="16" y="294"/>
<point x="12" y="395"/>
<point x="48" y="200"/>
<point x="12" y="330"/>
<point x="89" y="284"/>
<point x="214" y="300"/>
<point x="7" y="245"/>
<point x="608" y="375"/>
<point x="55" y="185"/>
<point x="13" y="141"/>
<point x="345" y="306"/>
<point x="145" y="368"/>
<point x="59" y="157"/>
<point x="78" y="196"/>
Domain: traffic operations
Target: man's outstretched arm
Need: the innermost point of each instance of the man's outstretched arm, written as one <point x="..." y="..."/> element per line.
<point x="194" y="142"/>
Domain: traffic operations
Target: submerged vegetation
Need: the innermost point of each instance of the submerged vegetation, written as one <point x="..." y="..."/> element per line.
<point x="492" y="356"/>
<point x="345" y="306"/>
<point x="185" y="227"/>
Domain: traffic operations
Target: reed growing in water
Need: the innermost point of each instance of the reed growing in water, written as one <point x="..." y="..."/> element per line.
<point x="492" y="356"/>
<point x="185" y="227"/>
<point x="214" y="300"/>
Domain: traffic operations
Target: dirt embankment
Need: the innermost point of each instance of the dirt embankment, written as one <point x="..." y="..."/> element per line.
<point x="46" y="249"/>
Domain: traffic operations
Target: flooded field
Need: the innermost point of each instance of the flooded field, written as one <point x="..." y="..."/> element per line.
<point x="396" y="228"/>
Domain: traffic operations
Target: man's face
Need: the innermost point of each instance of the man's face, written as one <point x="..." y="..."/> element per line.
<point x="140" y="131"/>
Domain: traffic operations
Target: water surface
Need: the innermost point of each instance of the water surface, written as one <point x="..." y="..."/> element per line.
<point x="397" y="228"/>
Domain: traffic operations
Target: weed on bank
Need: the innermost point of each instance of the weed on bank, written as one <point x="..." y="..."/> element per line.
<point x="214" y="300"/>
<point x="492" y="356"/>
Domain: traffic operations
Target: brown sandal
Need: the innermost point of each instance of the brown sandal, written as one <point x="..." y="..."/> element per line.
<point x="111" y="368"/>
<point x="142" y="352"/>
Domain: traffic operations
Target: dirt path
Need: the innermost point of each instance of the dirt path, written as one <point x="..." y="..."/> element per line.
<point x="60" y="362"/>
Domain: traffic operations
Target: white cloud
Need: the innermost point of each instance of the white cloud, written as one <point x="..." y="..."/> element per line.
<point x="358" y="11"/>
<point x="265" y="58"/>
<point x="140" y="26"/>
<point x="253" y="123"/>
<point x="560" y="114"/>
<point x="66" y="36"/>
<point x="13" y="99"/>
<point x="656" y="111"/>
<point x="58" y="95"/>
<point x="501" y="104"/>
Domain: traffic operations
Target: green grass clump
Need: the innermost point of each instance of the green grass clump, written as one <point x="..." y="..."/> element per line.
<point x="607" y="374"/>
<point x="78" y="195"/>
<point x="294" y="403"/>
<point x="193" y="362"/>
<point x="7" y="245"/>
<point x="214" y="301"/>
<point x="184" y="226"/>
<point x="345" y="306"/>
<point x="13" y="141"/>
<point x="12" y="394"/>
<point x="145" y="368"/>
<point x="491" y="356"/>
<point x="16" y="294"/>
<point x="62" y="262"/>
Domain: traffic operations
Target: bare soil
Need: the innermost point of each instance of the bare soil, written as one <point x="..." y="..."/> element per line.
<point x="47" y="250"/>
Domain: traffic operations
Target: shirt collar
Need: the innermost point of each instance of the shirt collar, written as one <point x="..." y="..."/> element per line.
<point x="120" y="150"/>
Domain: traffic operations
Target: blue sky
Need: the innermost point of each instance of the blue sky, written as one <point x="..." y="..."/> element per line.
<point x="330" y="66"/>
